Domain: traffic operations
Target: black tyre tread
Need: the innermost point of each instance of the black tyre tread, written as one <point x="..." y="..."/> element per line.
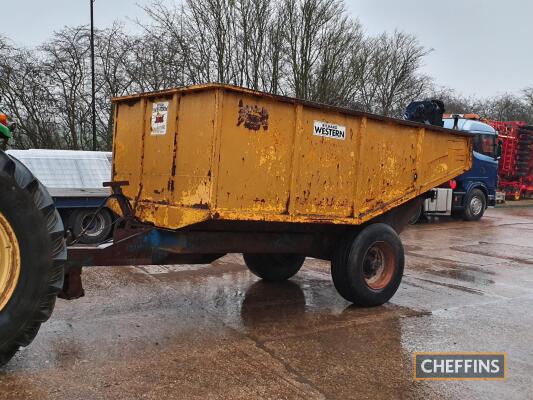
<point x="261" y="266"/>
<point x="466" y="214"/>
<point x="43" y="201"/>
<point x="76" y="219"/>
<point x="340" y="273"/>
<point x="339" y="260"/>
<point x="7" y="354"/>
<point x="415" y="219"/>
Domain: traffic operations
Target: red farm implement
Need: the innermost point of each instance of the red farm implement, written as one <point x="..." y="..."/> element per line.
<point x="516" y="163"/>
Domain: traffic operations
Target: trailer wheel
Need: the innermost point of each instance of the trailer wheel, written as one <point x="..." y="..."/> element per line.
<point x="475" y="205"/>
<point x="97" y="228"/>
<point x="32" y="254"/>
<point x="274" y="267"/>
<point x="415" y="218"/>
<point x="367" y="268"/>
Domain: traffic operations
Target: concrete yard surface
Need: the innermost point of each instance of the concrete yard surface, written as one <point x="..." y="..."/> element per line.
<point x="218" y="332"/>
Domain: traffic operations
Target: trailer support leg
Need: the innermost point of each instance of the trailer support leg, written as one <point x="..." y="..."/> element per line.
<point x="72" y="286"/>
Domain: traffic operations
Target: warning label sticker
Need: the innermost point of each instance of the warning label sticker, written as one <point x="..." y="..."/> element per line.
<point x="332" y="131"/>
<point x="159" y="118"/>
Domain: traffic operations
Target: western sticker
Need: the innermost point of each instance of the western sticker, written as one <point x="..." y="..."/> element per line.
<point x="332" y="131"/>
<point x="159" y="118"/>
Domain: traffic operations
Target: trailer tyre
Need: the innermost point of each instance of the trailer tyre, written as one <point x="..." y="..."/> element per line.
<point x="274" y="267"/>
<point x="32" y="254"/>
<point x="367" y="268"/>
<point x="415" y="218"/>
<point x="475" y="205"/>
<point x="97" y="228"/>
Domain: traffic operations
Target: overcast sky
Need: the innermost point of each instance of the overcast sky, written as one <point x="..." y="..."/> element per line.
<point x="481" y="47"/>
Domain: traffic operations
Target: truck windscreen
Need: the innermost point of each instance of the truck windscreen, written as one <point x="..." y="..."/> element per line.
<point x="485" y="144"/>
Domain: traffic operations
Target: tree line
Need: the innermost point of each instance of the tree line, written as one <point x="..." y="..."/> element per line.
<point x="310" y="49"/>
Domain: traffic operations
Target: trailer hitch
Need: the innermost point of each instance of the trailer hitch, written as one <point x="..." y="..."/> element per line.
<point x="126" y="230"/>
<point x="123" y="203"/>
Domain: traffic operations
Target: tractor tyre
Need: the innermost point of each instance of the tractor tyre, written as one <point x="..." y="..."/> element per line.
<point x="32" y="255"/>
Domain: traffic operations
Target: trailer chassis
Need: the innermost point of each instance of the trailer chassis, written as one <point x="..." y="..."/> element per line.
<point x="136" y="243"/>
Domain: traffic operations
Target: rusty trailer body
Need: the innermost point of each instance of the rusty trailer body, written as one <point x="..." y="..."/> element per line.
<point x="217" y="152"/>
<point x="206" y="170"/>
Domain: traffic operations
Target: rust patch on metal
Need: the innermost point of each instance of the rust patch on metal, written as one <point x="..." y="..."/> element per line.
<point x="252" y="117"/>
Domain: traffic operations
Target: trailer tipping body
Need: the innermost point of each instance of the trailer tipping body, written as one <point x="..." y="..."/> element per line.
<point x="219" y="152"/>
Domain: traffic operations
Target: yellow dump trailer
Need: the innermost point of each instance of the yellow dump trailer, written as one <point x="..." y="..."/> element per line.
<point x="221" y="152"/>
<point x="206" y="170"/>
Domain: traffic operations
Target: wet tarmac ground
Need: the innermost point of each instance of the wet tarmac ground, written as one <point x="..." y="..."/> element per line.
<point x="217" y="332"/>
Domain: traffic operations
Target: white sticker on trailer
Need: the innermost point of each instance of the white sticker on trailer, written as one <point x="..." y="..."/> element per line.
<point x="332" y="131"/>
<point x="159" y="118"/>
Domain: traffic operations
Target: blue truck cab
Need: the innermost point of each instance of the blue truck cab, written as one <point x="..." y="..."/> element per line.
<point x="471" y="193"/>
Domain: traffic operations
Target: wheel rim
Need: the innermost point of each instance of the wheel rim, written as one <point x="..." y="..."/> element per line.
<point x="93" y="227"/>
<point x="378" y="265"/>
<point x="476" y="205"/>
<point x="9" y="261"/>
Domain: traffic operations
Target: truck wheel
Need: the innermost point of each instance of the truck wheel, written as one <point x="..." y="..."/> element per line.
<point x="274" y="267"/>
<point x="97" y="228"/>
<point x="367" y="268"/>
<point x="475" y="206"/>
<point x="32" y="254"/>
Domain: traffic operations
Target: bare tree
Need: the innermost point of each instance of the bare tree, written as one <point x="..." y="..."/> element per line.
<point x="528" y="98"/>
<point x="335" y="76"/>
<point x="311" y="49"/>
<point x="391" y="76"/>
<point x="273" y="69"/>
<point x="505" y="107"/>
<point x="66" y="63"/>
<point x="112" y="77"/>
<point x="27" y="99"/>
<point x="308" y="29"/>
<point x="454" y="103"/>
<point x="508" y="107"/>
